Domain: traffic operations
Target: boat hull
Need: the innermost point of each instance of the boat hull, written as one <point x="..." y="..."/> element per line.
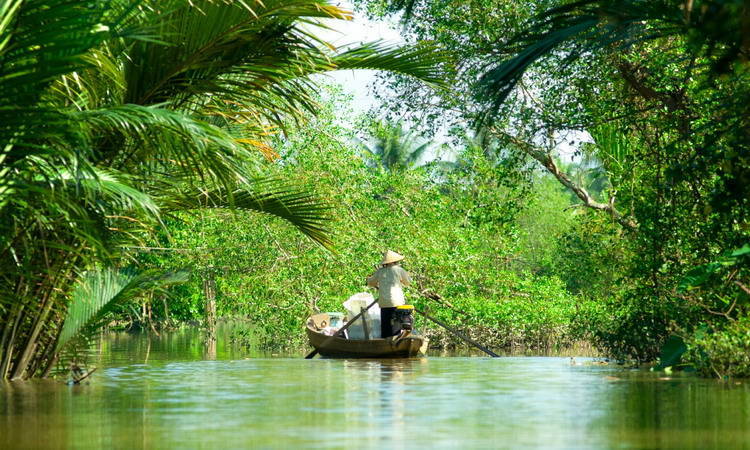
<point x="339" y="347"/>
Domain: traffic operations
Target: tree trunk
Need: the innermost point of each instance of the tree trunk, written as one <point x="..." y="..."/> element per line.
<point x="8" y="347"/>
<point x="28" y="351"/>
<point x="209" y="287"/>
<point x="166" y="308"/>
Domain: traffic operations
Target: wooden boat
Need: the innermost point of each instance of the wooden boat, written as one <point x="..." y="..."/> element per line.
<point x="340" y="347"/>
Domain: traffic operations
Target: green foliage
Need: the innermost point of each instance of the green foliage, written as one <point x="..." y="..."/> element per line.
<point x="661" y="87"/>
<point x="395" y="148"/>
<point x="458" y="239"/>
<point x="722" y="353"/>
<point x="671" y="352"/>
<point x="522" y="311"/>
<point x="100" y="293"/>
<point x="700" y="275"/>
<point x="115" y="116"/>
<point x="612" y="147"/>
<point x="546" y="218"/>
<point x="590" y="26"/>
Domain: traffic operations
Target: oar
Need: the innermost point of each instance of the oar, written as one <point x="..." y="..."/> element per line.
<point x="312" y="354"/>
<point x="459" y="334"/>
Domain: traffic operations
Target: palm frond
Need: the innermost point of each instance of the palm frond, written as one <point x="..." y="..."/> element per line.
<point x="8" y="12"/>
<point x="52" y="196"/>
<point x="213" y="46"/>
<point x="425" y="61"/>
<point x="257" y="57"/>
<point x="301" y="208"/>
<point x="416" y="154"/>
<point x="393" y="147"/>
<point x="100" y="292"/>
<point x="143" y="136"/>
<point x="32" y="60"/>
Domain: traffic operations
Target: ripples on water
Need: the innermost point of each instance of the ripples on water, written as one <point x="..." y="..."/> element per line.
<point x="178" y="400"/>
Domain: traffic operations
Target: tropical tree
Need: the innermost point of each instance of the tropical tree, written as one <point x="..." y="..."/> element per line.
<point x="705" y="40"/>
<point x="394" y="148"/>
<point x="661" y="86"/>
<point x="115" y="115"/>
<point x="671" y="130"/>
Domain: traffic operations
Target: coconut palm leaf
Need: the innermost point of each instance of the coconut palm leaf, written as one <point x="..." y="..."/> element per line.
<point x="271" y="196"/>
<point x="91" y="200"/>
<point x="222" y="47"/>
<point x="144" y="139"/>
<point x="261" y="57"/>
<point x="100" y="292"/>
<point x="42" y="41"/>
<point x="31" y="59"/>
<point x="425" y="61"/>
<point x="7" y="14"/>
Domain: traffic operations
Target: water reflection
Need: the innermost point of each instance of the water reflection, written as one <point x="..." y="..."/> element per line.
<point x="376" y="393"/>
<point x="174" y="399"/>
<point x="678" y="411"/>
<point x="209" y="342"/>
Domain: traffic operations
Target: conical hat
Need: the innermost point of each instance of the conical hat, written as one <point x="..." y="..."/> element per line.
<point x="391" y="257"/>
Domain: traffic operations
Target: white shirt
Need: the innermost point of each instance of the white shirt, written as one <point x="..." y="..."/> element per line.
<point x="389" y="281"/>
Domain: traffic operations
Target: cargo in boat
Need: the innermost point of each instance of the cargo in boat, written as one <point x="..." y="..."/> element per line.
<point x="405" y="345"/>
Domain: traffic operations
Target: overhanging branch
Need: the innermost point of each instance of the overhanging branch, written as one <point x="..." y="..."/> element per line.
<point x="546" y="160"/>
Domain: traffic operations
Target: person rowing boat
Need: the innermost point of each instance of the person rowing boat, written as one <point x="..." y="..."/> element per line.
<point x="389" y="279"/>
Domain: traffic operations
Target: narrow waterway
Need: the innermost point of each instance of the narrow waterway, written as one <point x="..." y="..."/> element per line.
<point x="163" y="393"/>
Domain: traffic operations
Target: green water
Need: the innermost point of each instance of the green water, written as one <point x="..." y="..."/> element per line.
<point x="163" y="393"/>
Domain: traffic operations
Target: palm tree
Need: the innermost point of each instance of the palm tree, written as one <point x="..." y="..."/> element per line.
<point x="394" y="148"/>
<point x="588" y="173"/>
<point x="112" y="117"/>
<point x="470" y="145"/>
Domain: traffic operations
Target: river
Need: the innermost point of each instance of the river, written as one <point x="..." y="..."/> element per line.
<point x="163" y="392"/>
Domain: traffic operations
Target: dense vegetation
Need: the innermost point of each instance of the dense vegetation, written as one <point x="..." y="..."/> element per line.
<point x="460" y="234"/>
<point x="115" y="116"/>
<point x="662" y="89"/>
<point x="595" y="184"/>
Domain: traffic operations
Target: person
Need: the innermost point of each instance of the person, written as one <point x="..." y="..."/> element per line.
<point x="389" y="279"/>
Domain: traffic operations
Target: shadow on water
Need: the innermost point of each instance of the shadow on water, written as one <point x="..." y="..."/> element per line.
<point x="168" y="392"/>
